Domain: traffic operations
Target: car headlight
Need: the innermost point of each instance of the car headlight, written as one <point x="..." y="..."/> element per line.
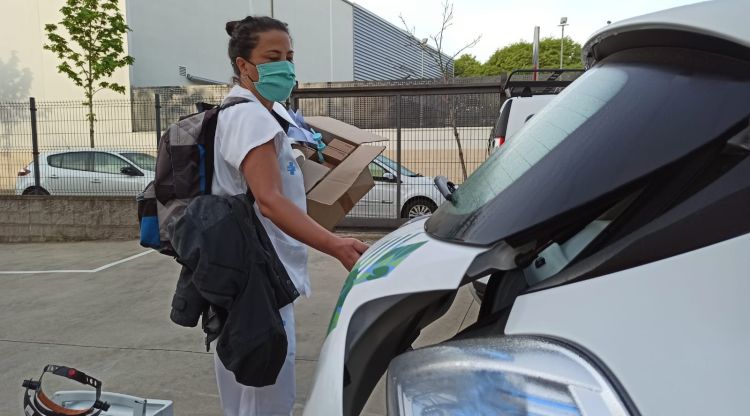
<point x="498" y="376"/>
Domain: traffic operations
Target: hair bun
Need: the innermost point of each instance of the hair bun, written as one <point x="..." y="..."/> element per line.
<point x="231" y="26"/>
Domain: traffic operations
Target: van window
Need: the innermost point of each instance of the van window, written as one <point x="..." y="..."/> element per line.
<point x="501" y="125"/>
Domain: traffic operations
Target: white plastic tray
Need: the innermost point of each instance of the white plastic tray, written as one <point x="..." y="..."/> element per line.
<point x="119" y="404"/>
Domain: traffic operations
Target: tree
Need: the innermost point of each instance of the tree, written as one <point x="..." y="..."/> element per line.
<point x="445" y="65"/>
<point x="467" y="66"/>
<point x="519" y="55"/>
<point x="93" y="48"/>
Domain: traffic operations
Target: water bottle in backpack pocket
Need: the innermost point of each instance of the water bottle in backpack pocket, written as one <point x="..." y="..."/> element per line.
<point x="148" y="221"/>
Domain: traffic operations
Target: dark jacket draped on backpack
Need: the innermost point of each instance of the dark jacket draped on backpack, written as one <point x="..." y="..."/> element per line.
<point x="230" y="265"/>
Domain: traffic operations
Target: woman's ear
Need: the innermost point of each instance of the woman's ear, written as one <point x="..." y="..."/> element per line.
<point x="241" y="65"/>
<point x="248" y="72"/>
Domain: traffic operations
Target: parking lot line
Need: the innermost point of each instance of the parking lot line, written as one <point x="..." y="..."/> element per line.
<point x="98" y="269"/>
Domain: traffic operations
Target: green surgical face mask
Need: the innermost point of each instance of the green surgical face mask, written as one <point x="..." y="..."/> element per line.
<point x="275" y="80"/>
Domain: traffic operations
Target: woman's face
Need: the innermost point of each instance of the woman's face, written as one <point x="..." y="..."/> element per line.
<point x="273" y="45"/>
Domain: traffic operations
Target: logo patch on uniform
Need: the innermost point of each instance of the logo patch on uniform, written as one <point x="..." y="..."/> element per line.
<point x="291" y="168"/>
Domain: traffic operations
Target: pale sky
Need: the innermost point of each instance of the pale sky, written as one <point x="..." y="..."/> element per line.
<point x="501" y="22"/>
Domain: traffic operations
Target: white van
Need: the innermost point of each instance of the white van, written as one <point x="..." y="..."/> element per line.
<point x="526" y="98"/>
<point x="514" y="112"/>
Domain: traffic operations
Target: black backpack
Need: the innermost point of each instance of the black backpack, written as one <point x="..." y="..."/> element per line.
<point x="184" y="170"/>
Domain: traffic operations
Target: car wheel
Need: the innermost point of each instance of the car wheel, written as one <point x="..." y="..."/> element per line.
<point x="418" y="207"/>
<point x="35" y="191"/>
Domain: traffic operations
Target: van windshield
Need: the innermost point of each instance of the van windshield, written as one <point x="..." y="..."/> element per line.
<point x="543" y="132"/>
<point x="632" y="114"/>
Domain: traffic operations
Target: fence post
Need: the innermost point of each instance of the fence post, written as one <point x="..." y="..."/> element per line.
<point x="34" y="142"/>
<point x="398" y="156"/>
<point x="157" y="114"/>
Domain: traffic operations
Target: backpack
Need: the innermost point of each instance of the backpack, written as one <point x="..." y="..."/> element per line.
<point x="184" y="170"/>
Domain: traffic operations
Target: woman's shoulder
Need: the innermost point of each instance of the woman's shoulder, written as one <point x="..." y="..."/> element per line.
<point x="251" y="111"/>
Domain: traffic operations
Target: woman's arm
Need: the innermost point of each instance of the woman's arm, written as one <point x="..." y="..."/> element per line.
<point x="261" y="171"/>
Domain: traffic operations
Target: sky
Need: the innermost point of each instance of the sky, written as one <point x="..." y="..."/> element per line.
<point x="501" y="22"/>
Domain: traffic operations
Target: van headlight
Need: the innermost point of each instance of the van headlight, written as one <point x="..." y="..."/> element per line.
<point x="498" y="376"/>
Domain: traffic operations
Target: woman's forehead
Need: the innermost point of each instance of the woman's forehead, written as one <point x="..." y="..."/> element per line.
<point x="274" y="40"/>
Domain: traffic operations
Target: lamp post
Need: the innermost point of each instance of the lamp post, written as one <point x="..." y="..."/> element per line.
<point x="563" y="23"/>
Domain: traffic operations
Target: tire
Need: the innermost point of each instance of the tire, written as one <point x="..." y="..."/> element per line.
<point x="418" y="207"/>
<point x="33" y="190"/>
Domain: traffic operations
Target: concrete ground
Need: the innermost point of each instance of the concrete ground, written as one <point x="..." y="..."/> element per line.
<point x="79" y="304"/>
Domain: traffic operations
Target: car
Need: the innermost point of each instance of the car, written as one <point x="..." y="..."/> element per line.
<point x="88" y="172"/>
<point x="419" y="196"/>
<point x="615" y="231"/>
<point x="525" y="99"/>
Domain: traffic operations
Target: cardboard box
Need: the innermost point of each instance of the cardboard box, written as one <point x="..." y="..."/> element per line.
<point x="333" y="188"/>
<point x="337" y="150"/>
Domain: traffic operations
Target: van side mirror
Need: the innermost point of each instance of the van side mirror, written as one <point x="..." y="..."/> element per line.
<point x="445" y="187"/>
<point x="389" y="177"/>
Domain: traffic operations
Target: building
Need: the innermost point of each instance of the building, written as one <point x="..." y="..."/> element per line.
<point x="183" y="42"/>
<point x="26" y="69"/>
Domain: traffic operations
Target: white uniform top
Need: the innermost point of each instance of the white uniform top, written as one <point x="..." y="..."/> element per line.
<point x="240" y="129"/>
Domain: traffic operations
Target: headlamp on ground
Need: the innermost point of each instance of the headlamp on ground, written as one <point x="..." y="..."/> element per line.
<point x="36" y="402"/>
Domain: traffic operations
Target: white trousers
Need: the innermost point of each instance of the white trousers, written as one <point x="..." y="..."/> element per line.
<point x="275" y="400"/>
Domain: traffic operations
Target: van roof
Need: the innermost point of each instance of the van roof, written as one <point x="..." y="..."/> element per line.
<point x="714" y="26"/>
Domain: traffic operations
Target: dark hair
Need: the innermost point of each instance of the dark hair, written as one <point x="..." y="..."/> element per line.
<point x="243" y="35"/>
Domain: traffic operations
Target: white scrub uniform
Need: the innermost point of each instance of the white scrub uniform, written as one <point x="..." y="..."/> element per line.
<point x="240" y="129"/>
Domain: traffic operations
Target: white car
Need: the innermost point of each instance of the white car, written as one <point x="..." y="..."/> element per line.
<point x="88" y="172"/>
<point x="419" y="196"/>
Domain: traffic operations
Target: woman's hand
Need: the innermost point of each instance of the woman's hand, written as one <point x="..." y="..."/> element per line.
<point x="346" y="250"/>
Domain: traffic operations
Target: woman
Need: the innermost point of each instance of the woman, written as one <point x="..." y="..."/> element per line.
<point x="252" y="150"/>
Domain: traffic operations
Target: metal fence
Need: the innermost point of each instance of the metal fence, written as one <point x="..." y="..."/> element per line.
<point x="428" y="130"/>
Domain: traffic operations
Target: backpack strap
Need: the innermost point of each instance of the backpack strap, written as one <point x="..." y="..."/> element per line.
<point x="229" y="102"/>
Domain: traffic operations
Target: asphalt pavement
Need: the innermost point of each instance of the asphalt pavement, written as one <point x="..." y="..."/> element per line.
<point x="103" y="307"/>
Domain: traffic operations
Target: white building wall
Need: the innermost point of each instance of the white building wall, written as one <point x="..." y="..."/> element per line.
<point x="26" y="69"/>
<point x="322" y="35"/>
<point x="343" y="41"/>
<point x="168" y="34"/>
<point x="190" y="33"/>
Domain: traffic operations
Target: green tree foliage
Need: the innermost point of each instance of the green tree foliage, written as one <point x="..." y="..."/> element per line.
<point x="90" y="47"/>
<point x="518" y="55"/>
<point x="467" y="66"/>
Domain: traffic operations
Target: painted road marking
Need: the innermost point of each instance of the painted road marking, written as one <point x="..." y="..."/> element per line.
<point x="98" y="269"/>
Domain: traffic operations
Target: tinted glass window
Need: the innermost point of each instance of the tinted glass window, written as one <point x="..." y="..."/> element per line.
<point x="142" y="160"/>
<point x="393" y="165"/>
<point x="501" y="125"/>
<point x="73" y="161"/>
<point x="541" y="134"/>
<point x="376" y="170"/>
<point x="632" y="114"/>
<point x="107" y="163"/>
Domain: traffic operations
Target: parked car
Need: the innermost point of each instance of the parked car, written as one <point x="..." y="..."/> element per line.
<point x="88" y="172"/>
<point x="525" y="99"/>
<point x="419" y="196"/>
<point x="615" y="229"/>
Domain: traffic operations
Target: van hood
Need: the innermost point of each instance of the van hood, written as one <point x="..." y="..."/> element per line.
<point x="402" y="283"/>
